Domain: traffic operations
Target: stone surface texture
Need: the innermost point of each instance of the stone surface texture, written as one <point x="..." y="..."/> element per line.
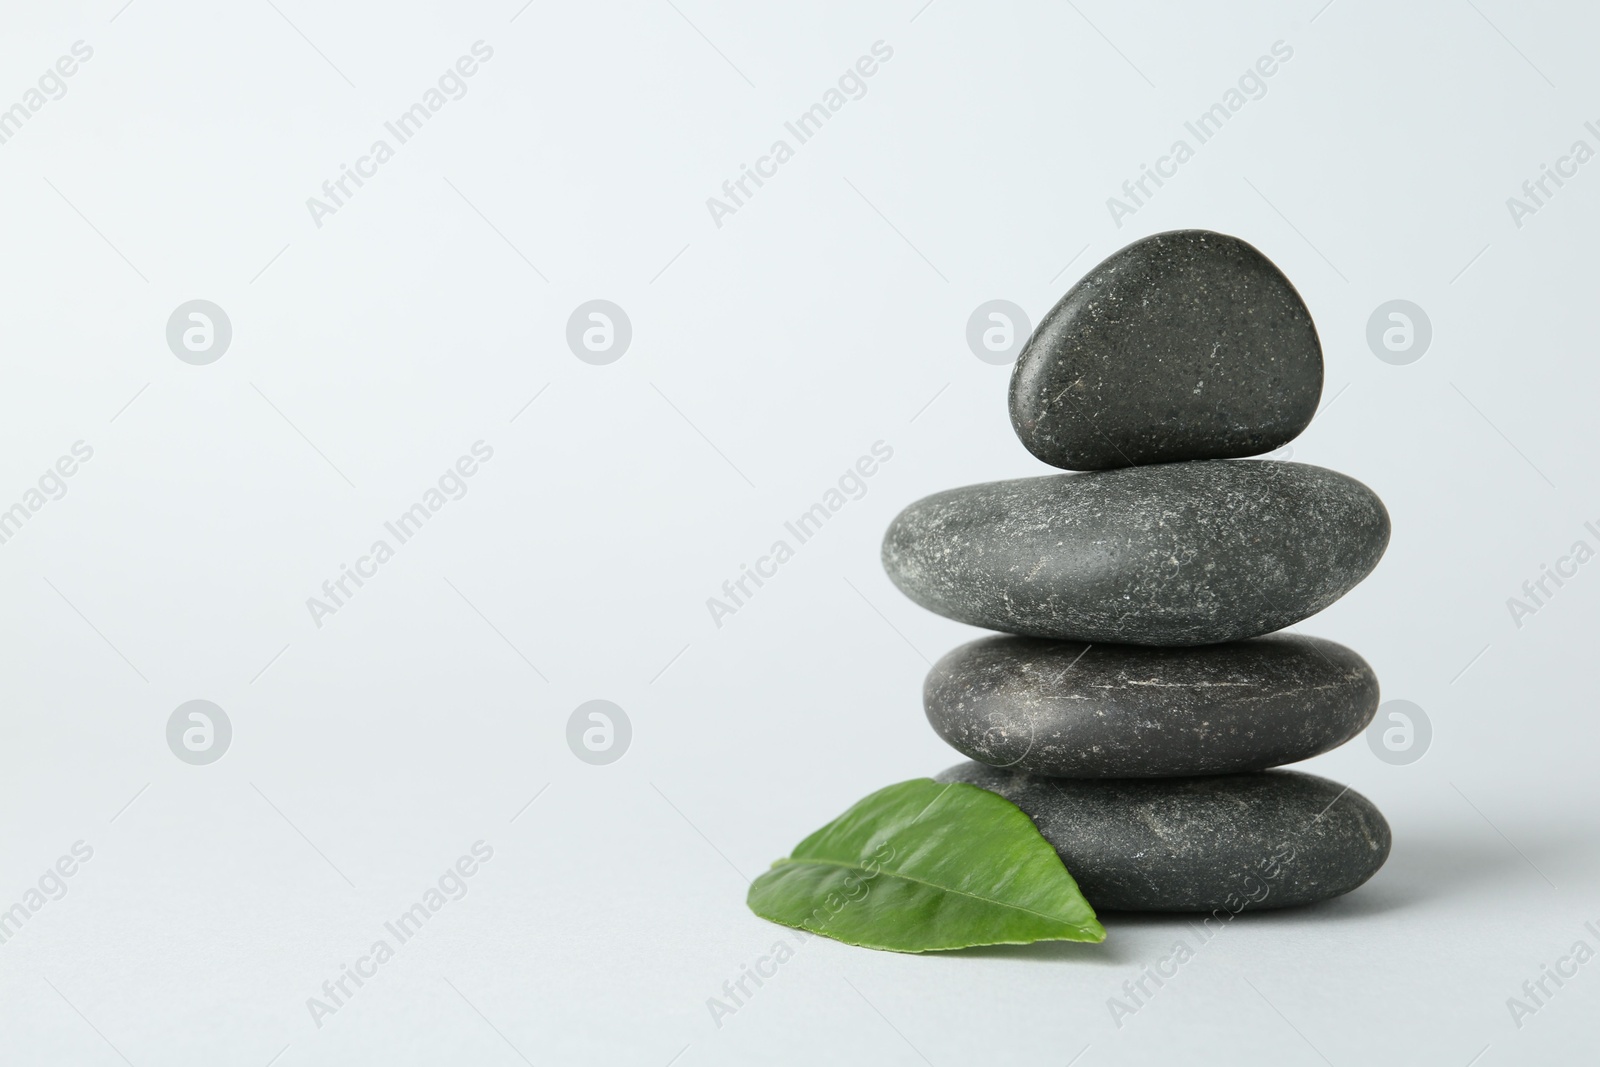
<point x="1125" y="711"/>
<point x="1236" y="842"/>
<point x="1184" y="345"/>
<point x="1173" y="554"/>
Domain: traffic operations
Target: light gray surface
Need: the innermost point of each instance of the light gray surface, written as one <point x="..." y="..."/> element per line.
<point x="409" y="726"/>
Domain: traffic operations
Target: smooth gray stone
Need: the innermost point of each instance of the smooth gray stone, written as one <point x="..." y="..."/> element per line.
<point x="1185" y="345"/>
<point x="1125" y="711"/>
<point x="1236" y="842"/>
<point x="1174" y="554"/>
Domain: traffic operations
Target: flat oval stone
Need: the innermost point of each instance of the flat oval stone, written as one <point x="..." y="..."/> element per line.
<point x="1185" y="345"/>
<point x="1124" y="711"/>
<point x="1174" y="554"/>
<point x="1235" y="842"/>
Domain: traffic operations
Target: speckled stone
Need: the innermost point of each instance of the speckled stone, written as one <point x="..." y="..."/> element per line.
<point x="1235" y="842"/>
<point x="1124" y="711"/>
<point x="1173" y="554"/>
<point x="1185" y="345"/>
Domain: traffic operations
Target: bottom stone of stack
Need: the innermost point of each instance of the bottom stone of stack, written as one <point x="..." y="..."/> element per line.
<point x="1233" y="842"/>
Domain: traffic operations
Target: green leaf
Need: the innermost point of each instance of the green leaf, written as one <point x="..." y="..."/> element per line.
<point x="920" y="867"/>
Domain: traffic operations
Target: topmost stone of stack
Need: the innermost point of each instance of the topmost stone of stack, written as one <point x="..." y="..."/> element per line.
<point x="1185" y="345"/>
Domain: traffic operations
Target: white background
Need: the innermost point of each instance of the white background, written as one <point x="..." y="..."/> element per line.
<point x="768" y="354"/>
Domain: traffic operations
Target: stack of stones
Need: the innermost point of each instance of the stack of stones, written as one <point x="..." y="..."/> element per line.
<point x="1133" y="708"/>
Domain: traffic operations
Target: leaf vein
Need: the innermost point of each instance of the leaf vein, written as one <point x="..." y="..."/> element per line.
<point x="935" y="885"/>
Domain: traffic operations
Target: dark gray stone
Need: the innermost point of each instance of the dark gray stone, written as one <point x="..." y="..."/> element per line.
<point x="1174" y="554"/>
<point x="1124" y="711"/>
<point x="1185" y="345"/>
<point x="1236" y="842"/>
